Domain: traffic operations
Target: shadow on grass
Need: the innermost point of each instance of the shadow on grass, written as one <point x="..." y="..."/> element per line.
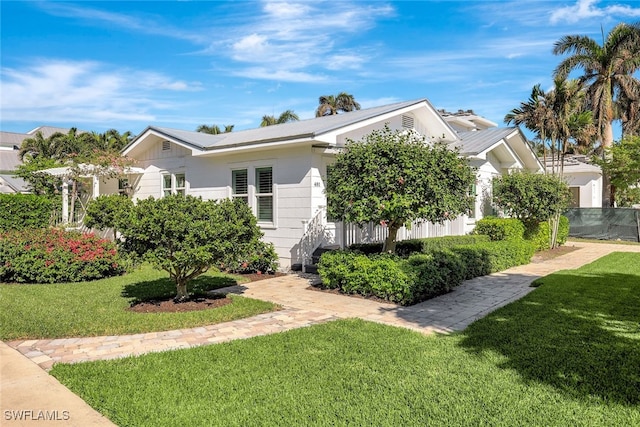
<point x="165" y="288"/>
<point x="578" y="333"/>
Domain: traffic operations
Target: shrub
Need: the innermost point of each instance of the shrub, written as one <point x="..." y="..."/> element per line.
<point x="490" y="257"/>
<point x="500" y="228"/>
<point x="55" y="256"/>
<point x="539" y="233"/>
<point x="427" y="245"/>
<point x="107" y="211"/>
<point x="262" y="258"/>
<point x="367" y="248"/>
<point x="383" y="276"/>
<point x="434" y="274"/>
<point x="21" y="211"/>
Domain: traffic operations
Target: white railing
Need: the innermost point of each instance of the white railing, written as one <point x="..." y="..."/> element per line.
<point x="316" y="233"/>
<point x="376" y="233"/>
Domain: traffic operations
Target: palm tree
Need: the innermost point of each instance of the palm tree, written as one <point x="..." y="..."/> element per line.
<point x="629" y="112"/>
<point x="330" y="104"/>
<point x="111" y="140"/>
<point x="38" y="146"/>
<point x="214" y="129"/>
<point x="286" y="116"/>
<point x="608" y="71"/>
<point x="534" y="115"/>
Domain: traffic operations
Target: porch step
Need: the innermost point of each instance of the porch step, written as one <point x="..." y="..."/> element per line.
<point x="315" y="258"/>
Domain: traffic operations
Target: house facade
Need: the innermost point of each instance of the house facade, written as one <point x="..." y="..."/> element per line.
<point x="280" y="170"/>
<point x="584" y="179"/>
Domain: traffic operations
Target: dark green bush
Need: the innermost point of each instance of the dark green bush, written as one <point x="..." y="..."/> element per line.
<point x="260" y="259"/>
<point x="500" y="228"/>
<point x="55" y="256"/>
<point x="420" y="276"/>
<point x="539" y="233"/>
<point x="434" y="274"/>
<point x="485" y="258"/>
<point x="430" y="244"/>
<point x="383" y="276"/>
<point x="367" y="248"/>
<point x="107" y="211"/>
<point x="23" y="211"/>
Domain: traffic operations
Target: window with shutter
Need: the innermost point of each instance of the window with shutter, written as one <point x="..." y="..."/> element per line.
<point x="240" y="184"/>
<point x="264" y="194"/>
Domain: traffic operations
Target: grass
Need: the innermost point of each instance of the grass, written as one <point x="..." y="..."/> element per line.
<point x="566" y="354"/>
<point x="613" y="242"/>
<point x="100" y="307"/>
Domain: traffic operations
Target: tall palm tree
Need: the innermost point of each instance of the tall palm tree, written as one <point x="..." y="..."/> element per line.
<point x="608" y="71"/>
<point x="286" y="116"/>
<point x="330" y="104"/>
<point x="534" y="115"/>
<point x="37" y="146"/>
<point x="214" y="129"/>
<point x="629" y="112"/>
<point x="111" y="140"/>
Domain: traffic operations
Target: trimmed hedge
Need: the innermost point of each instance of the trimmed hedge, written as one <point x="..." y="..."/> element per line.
<point x="55" y="256"/>
<point x="23" y="211"/>
<point x="430" y="244"/>
<point x="406" y="248"/>
<point x="500" y="228"/>
<point x="538" y="233"/>
<point x="421" y="276"/>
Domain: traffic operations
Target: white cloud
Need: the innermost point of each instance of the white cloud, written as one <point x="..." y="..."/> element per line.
<point x="585" y="9"/>
<point x="84" y="91"/>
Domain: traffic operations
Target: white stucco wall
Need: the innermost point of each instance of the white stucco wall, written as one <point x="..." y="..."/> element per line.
<point x="297" y="186"/>
<point x="590" y="187"/>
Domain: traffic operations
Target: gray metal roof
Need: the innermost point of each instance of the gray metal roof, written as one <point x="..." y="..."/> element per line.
<point x="308" y="128"/>
<point x="9" y="160"/>
<point x="16" y="184"/>
<point x="12" y="139"/>
<point x="475" y="142"/>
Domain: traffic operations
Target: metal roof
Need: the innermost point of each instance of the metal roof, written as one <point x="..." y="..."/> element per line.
<point x="308" y="128"/>
<point x="477" y="141"/>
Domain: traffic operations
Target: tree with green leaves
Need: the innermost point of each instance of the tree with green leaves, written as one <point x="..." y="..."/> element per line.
<point x="108" y="212"/>
<point x="622" y="165"/>
<point x="608" y="70"/>
<point x="186" y="236"/>
<point x="333" y="104"/>
<point x="285" y="117"/>
<point x="214" y="129"/>
<point x="395" y="177"/>
<point x="532" y="198"/>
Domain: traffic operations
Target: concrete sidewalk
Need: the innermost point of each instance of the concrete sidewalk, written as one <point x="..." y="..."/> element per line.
<point x="27" y="387"/>
<point x="31" y="397"/>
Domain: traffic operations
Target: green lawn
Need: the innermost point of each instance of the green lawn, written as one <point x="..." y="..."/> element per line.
<point x="566" y="354"/>
<point x="100" y="307"/>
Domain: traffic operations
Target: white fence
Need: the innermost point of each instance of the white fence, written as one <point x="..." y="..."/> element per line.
<point x="374" y="233"/>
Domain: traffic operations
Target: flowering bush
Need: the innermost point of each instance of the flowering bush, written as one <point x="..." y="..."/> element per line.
<point x="55" y="256"/>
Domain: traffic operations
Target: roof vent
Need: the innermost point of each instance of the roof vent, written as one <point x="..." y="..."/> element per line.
<point x="166" y="146"/>
<point x="407" y="122"/>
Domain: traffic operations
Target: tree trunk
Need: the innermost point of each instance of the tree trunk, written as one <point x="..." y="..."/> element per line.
<point x="182" y="294"/>
<point x="390" y="242"/>
<point x="608" y="197"/>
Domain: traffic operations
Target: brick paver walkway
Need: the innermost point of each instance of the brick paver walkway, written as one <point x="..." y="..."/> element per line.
<point x="303" y="307"/>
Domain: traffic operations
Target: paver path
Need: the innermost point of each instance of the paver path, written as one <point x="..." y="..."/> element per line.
<point x="303" y="307"/>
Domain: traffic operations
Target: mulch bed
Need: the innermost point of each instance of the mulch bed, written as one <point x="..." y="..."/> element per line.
<point x="543" y="256"/>
<point x="194" y="304"/>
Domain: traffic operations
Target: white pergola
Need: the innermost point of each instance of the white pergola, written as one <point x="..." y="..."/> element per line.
<point x="86" y="171"/>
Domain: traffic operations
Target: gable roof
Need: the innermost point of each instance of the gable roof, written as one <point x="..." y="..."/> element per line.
<point x="509" y="140"/>
<point x="304" y="129"/>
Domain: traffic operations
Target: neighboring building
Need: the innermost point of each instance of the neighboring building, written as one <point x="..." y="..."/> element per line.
<point x="466" y="121"/>
<point x="584" y="180"/>
<point x="10" y="143"/>
<point x="281" y="170"/>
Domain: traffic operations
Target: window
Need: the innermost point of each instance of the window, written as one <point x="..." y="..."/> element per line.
<point x="240" y="184"/>
<point x="174" y="184"/>
<point x="264" y="194"/>
<point x="123" y="187"/>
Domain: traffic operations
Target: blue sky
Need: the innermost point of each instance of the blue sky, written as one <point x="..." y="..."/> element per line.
<point x="125" y="65"/>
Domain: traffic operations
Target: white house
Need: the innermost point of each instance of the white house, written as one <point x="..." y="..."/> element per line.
<point x="584" y="179"/>
<point x="280" y="170"/>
